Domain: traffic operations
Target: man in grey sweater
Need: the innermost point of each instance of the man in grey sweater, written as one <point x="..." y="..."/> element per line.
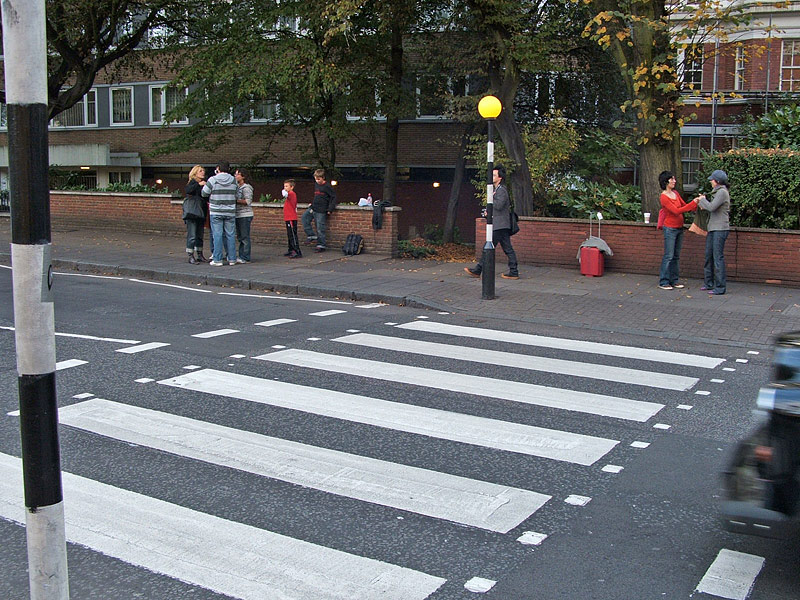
<point x="221" y="193"/>
<point x="501" y="226"/>
<point x="719" y="207"/>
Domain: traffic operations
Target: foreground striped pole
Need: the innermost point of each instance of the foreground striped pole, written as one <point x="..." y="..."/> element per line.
<point x="489" y="108"/>
<point x="25" y="63"/>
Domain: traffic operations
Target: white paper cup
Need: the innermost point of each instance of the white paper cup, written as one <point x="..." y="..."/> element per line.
<point x="646" y="217"/>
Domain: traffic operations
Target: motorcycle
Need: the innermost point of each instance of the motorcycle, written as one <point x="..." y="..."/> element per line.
<point x="762" y="481"/>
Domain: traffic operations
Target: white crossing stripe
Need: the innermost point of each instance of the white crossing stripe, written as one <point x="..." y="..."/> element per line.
<point x="526" y="393"/>
<point x="215" y="333"/>
<point x="439" y="495"/>
<point x="674" y="358"/>
<point x="731" y="575"/>
<point x="72" y="362"/>
<point x="431" y="422"/>
<point x="142" y="347"/>
<point x="326" y="313"/>
<point x="274" y="322"/>
<point x="229" y="558"/>
<point x="523" y="361"/>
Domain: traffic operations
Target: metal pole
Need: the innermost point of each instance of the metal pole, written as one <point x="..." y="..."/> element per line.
<point x="25" y="51"/>
<point x="714" y="95"/>
<point x="488" y="248"/>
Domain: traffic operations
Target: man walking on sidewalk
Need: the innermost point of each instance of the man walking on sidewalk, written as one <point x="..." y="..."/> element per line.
<point x="321" y="206"/>
<point x="221" y="193"/>
<point x="501" y="221"/>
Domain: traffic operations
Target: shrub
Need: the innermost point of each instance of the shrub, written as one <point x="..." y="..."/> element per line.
<point x="764" y="186"/>
<point x="576" y="199"/>
<point x="408" y="249"/>
<point x="779" y="128"/>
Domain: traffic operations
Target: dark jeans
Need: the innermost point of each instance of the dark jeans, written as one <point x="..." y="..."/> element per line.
<point x="503" y="238"/>
<point x="714" y="267"/>
<point x="194" y="235"/>
<point x="223" y="228"/>
<point x="291" y="236"/>
<point x="319" y="218"/>
<point x="673" y="240"/>
<point x="243" y="235"/>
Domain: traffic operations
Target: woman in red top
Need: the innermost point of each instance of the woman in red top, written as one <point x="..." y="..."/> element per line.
<point x="674" y="206"/>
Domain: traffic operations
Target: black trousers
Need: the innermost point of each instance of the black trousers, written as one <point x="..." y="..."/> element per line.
<point x="291" y="236"/>
<point x="502" y="237"/>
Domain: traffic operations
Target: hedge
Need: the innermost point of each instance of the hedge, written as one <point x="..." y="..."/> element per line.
<point x="764" y="186"/>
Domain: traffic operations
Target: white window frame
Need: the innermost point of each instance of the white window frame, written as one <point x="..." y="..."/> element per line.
<point x="162" y="88"/>
<point x="84" y="104"/>
<point x="118" y="173"/>
<point x="254" y="119"/>
<point x="693" y="145"/>
<point x="111" y="91"/>
<point x="793" y="69"/>
<point x="738" y="71"/>
<point x="696" y="68"/>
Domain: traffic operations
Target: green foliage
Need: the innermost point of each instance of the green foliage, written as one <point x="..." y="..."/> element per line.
<point x="578" y="199"/>
<point x="779" y="128"/>
<point x="764" y="186"/>
<point x="434" y="233"/>
<point x="134" y="188"/>
<point x="265" y="198"/>
<point x="408" y="249"/>
<point x="599" y="153"/>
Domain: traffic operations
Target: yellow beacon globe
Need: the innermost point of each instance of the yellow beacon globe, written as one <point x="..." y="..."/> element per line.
<point x="489" y="107"/>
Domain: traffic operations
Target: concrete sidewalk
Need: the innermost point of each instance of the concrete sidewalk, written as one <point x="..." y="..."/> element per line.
<point x="749" y="314"/>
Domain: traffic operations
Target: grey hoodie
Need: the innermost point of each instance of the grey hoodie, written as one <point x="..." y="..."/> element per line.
<point x="221" y="193"/>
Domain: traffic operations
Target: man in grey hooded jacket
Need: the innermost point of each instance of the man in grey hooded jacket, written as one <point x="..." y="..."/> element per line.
<point x="221" y="193"/>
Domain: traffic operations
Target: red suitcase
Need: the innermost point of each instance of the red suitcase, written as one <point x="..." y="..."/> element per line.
<point x="592" y="262"/>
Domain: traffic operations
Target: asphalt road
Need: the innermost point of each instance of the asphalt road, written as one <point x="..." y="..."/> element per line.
<point x="284" y="447"/>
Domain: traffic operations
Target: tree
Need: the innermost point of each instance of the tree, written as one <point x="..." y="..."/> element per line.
<point x="85" y="37"/>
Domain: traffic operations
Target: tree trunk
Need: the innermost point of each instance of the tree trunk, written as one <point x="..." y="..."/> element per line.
<point x="455" y="190"/>
<point x="521" y="184"/>
<point x="393" y="121"/>
<point x="653" y="159"/>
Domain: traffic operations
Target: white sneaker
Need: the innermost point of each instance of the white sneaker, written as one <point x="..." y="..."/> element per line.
<point x="231" y="262"/>
<point x="242" y="261"/>
<point x="216" y="263"/>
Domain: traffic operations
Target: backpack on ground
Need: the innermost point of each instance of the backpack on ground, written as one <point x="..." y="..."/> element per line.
<point x="354" y="244"/>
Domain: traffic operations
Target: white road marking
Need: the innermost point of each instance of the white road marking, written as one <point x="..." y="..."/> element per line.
<point x="72" y="362"/>
<point x="278" y="347"/>
<point x="5" y="267"/>
<point x="532" y="538"/>
<point x="422" y="317"/>
<point x="728" y="369"/>
<point x="468" y="429"/>
<point x="215" y="333"/>
<point x="526" y="393"/>
<point x="661" y="426"/>
<point x="83" y="396"/>
<point x="172" y="285"/>
<point x="440" y="495"/>
<point x="731" y="575"/>
<point x="523" y="361"/>
<point x="702" y="393"/>
<point x="226" y="557"/>
<point x="353" y="330"/>
<point x="753" y="352"/>
<point x="742" y="360"/>
<point x="373" y="305"/>
<point x="392" y="324"/>
<point x="144" y="380"/>
<point x="13" y="413"/>
<point x="87" y="275"/>
<point x="640" y="444"/>
<point x="612" y="469"/>
<point x="479" y="585"/>
<point x="142" y="347"/>
<point x="326" y="313"/>
<point x="685" y="406"/>
<point x="677" y="358"/>
<point x="313" y="339"/>
<point x="275" y="322"/>
<point x="717" y="381"/>
<point x="284" y="298"/>
<point x="88" y="337"/>
<point x="192" y="367"/>
<point x="236" y="356"/>
<point x="576" y="500"/>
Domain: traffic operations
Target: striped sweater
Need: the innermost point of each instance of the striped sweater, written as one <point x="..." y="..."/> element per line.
<point x="221" y="193"/>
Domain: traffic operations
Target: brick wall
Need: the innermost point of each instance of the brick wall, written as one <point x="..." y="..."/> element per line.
<point x="755" y="255"/>
<point x="157" y="213"/>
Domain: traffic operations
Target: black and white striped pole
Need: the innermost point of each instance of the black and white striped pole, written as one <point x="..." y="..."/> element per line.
<point x="25" y="63"/>
<point x="489" y="108"/>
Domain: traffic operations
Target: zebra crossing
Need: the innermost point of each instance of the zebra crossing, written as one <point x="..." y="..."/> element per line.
<point x="245" y="561"/>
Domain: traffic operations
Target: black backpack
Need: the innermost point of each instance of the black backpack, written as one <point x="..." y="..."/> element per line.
<point x="354" y="244"/>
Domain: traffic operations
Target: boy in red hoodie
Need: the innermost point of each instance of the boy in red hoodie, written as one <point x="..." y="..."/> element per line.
<point x="290" y="218"/>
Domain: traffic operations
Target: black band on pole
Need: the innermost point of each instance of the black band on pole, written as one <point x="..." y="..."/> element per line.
<point x="39" y="433"/>
<point x="29" y="165"/>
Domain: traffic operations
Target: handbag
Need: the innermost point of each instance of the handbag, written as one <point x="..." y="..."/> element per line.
<point x="695" y="228"/>
<point x="662" y="216"/>
<point x="514" y="223"/>
<point x="193" y="208"/>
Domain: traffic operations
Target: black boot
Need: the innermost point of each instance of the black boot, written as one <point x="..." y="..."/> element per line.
<point x="192" y="259"/>
<point x="200" y="257"/>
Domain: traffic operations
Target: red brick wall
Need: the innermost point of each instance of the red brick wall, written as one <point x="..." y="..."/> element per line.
<point x="755" y="255"/>
<point x="162" y="214"/>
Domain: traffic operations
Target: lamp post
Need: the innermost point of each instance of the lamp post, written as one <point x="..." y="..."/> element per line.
<point x="489" y="108"/>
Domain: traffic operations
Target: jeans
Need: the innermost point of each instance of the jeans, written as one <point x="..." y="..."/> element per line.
<point x="673" y="240"/>
<point x="223" y="231"/>
<point x="320" y="218"/>
<point x="194" y="235"/>
<point x="714" y="267"/>
<point x="243" y="235"/>
<point x="503" y="238"/>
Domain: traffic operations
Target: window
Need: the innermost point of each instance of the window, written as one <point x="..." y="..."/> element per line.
<point x="122" y="106"/>
<point x="119" y="177"/>
<point x="263" y="110"/>
<point x="691" y="67"/>
<point x="3" y="116"/>
<point x="81" y="114"/>
<point x="738" y="78"/>
<point x="163" y="99"/>
<point x="790" y="66"/>
<point x="690" y="161"/>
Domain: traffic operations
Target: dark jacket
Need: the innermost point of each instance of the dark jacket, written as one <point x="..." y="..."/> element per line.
<point x="324" y="198"/>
